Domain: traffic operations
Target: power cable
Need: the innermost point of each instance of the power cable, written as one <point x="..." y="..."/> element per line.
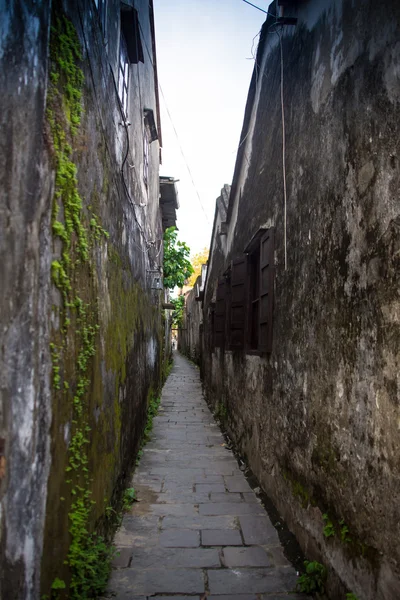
<point x="283" y="154"/>
<point x="266" y="12"/>
<point x="149" y="244"/>
<point x="184" y="158"/>
<point x="176" y="133"/>
<point x="279" y="34"/>
<point x="96" y="97"/>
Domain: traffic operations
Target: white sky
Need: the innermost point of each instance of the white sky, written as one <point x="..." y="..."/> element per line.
<point x="204" y="68"/>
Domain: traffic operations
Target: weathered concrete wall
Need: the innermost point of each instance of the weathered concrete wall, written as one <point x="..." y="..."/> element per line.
<point x="319" y="418"/>
<point x="167" y="318"/>
<point x="189" y="336"/>
<point x="81" y="328"/>
<point x="26" y="184"/>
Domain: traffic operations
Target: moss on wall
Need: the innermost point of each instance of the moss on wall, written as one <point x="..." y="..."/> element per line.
<point x="102" y="373"/>
<point x="106" y="340"/>
<point x="75" y="335"/>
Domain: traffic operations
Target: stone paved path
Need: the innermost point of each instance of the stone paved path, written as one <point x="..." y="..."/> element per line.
<point x="199" y="530"/>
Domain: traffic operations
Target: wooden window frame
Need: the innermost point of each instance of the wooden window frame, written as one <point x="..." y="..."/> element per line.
<point x="101" y="6"/>
<point x="130" y="29"/>
<point x="146" y="155"/>
<point x="260" y="292"/>
<point x="212" y="324"/>
<point x="238" y="302"/>
<point x="266" y="290"/>
<point x="220" y="315"/>
<point x="228" y="307"/>
<point x="243" y="315"/>
<point x="123" y="75"/>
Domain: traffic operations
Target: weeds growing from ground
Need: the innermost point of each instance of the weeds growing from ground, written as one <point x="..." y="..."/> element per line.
<point x="313" y="579"/>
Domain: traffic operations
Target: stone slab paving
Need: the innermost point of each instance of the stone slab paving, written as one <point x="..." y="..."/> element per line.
<point x="199" y="530"/>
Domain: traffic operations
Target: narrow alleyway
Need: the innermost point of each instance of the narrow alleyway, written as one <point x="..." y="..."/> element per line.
<point x="199" y="530"/>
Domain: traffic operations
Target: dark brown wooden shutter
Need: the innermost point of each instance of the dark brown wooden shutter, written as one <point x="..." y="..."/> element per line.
<point x="228" y="303"/>
<point x="238" y="301"/>
<point x="266" y="291"/>
<point x="220" y="312"/>
<point x="211" y="327"/>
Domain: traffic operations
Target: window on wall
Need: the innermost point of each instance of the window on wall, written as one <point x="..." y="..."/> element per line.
<point x="254" y="281"/>
<point x="130" y="50"/>
<point x="123" y="75"/>
<point x="228" y="304"/>
<point x="130" y="29"/>
<point x="146" y="147"/>
<point x="260" y="279"/>
<point x="101" y="6"/>
<point x="238" y="292"/>
<point x="245" y="298"/>
<point x="266" y="291"/>
<point x="211" y="316"/>
<point x="149" y="135"/>
<point x="220" y="314"/>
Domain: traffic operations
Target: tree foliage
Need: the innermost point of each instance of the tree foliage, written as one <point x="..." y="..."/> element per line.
<point x="177" y="314"/>
<point x="177" y="266"/>
<point x="197" y="261"/>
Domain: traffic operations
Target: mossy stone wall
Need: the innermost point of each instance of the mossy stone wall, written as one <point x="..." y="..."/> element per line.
<point x="319" y="417"/>
<point x="106" y="340"/>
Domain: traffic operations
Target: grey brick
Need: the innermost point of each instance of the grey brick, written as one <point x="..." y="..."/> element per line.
<point x="225" y="497"/>
<point x="179" y="538"/>
<point x="221" y="537"/>
<point x="174" y="510"/>
<point x="122" y="558"/>
<point x="277" y="557"/>
<point x="171" y="557"/>
<point x="210" y="487"/>
<point x="251" y="497"/>
<point x="199" y="522"/>
<point x="254" y="556"/>
<point x="174" y="597"/>
<point x="284" y="597"/>
<point x="125" y="582"/>
<point x="230" y="508"/>
<point x="258" y="530"/>
<point x="237" y="484"/>
<point x="233" y="597"/>
<point x="253" y="581"/>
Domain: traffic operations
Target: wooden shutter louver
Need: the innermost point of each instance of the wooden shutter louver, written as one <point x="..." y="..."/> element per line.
<point x="238" y="302"/>
<point x="131" y="31"/>
<point x="211" y="328"/>
<point x="266" y="291"/>
<point x="220" y="312"/>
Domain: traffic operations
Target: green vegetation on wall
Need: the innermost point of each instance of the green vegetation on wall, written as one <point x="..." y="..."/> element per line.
<point x="313" y="579"/>
<point x="334" y="527"/>
<point x="74" y="342"/>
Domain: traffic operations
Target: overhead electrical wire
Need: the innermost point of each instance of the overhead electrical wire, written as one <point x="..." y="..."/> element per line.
<point x="149" y="244"/>
<point x="176" y="133"/>
<point x="283" y="155"/>
<point x="98" y="109"/>
<point x="184" y="159"/>
<point x="279" y="34"/>
<point x="266" y="12"/>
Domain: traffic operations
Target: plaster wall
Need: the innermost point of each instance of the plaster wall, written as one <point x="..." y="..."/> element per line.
<point x="115" y="283"/>
<point x="319" y="418"/>
<point x="189" y="339"/>
<point x="26" y="183"/>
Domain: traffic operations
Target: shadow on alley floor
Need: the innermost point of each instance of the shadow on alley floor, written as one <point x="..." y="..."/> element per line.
<point x="199" y="531"/>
